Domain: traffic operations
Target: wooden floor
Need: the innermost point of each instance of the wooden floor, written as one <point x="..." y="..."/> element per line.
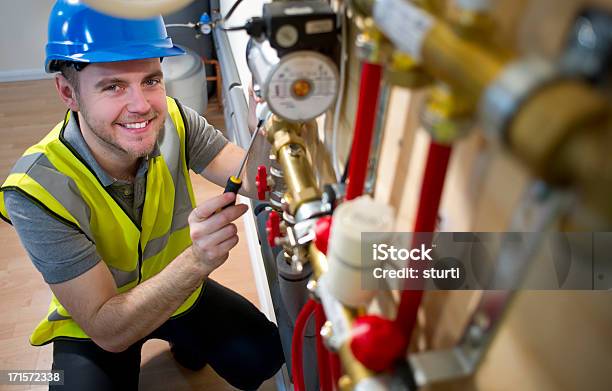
<point x="28" y="110"/>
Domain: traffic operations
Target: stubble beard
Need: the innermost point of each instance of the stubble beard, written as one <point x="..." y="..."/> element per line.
<point x="106" y="139"/>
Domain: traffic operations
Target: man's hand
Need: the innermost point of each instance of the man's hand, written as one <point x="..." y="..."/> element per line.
<point x="213" y="234"/>
<point x="116" y="320"/>
<point x="228" y="159"/>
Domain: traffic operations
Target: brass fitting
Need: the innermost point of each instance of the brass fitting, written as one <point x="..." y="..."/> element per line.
<point x="403" y="71"/>
<point x="371" y="45"/>
<point x="354" y="370"/>
<point x="281" y="132"/>
<point x="434" y="7"/>
<point x="550" y="118"/>
<point x="352" y="367"/>
<point x="559" y="128"/>
<point x="464" y="65"/>
<point x="345" y="383"/>
<point x="446" y="56"/>
<point x="289" y="149"/>
<point x="318" y="261"/>
<point x="475" y="26"/>
<point x="564" y="134"/>
<point x="447" y="116"/>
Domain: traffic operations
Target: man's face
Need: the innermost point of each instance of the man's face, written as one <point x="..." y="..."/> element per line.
<point x="123" y="105"/>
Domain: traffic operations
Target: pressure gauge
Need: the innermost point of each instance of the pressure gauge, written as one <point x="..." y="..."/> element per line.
<point x="301" y="86"/>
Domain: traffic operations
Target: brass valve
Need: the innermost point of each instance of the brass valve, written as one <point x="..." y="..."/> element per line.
<point x="473" y="25"/>
<point x="289" y="149"/>
<point x="564" y="134"/>
<point x="353" y="369"/>
<point x="403" y="71"/>
<point x="371" y="44"/>
<point x="447" y="116"/>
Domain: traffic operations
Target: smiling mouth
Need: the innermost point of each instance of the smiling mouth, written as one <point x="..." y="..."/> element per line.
<point x="136" y="126"/>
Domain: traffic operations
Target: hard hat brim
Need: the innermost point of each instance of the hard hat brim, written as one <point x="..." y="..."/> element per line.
<point x="129" y="53"/>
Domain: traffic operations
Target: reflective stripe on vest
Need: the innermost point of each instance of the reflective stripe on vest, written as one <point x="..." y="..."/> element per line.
<point x="57" y="179"/>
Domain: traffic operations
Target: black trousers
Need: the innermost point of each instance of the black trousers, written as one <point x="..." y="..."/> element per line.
<point x="223" y="330"/>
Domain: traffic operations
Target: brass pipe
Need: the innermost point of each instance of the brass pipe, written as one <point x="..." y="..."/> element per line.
<point x="458" y="62"/>
<point x="352" y="367"/>
<point x="464" y="64"/>
<point x="536" y="135"/>
<point x="449" y="113"/>
<point x="571" y="147"/>
<point x="318" y="261"/>
<point x="475" y="25"/>
<point x="588" y="158"/>
<point x="434" y="7"/>
<point x="289" y="148"/>
<point x="558" y="131"/>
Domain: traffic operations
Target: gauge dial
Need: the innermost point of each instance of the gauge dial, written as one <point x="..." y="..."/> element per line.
<point x="287" y="36"/>
<point x="302" y="86"/>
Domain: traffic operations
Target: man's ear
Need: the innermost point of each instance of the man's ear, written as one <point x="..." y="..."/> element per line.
<point x="66" y="92"/>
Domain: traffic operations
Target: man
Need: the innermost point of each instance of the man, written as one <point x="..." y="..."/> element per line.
<point x="105" y="209"/>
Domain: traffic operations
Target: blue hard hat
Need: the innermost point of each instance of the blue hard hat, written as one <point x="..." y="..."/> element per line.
<point x="79" y="33"/>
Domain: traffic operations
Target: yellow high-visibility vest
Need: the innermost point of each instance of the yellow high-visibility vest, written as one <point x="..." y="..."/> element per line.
<point x="56" y="178"/>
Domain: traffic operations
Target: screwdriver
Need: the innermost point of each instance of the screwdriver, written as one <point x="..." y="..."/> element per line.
<point x="234" y="182"/>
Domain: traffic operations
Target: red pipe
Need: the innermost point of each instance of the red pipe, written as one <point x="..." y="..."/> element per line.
<point x="427" y="215"/>
<point x="297" y="366"/>
<point x="432" y="187"/>
<point x="369" y="89"/>
<point x="325" y="380"/>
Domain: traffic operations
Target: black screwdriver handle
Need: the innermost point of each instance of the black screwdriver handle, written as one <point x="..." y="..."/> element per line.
<point x="233" y="185"/>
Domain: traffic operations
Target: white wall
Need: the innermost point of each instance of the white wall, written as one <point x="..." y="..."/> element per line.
<point x="23" y="34"/>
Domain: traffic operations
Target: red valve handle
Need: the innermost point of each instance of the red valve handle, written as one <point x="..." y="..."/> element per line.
<point x="261" y="180"/>
<point x="273" y="228"/>
<point x="322" y="230"/>
<point x="377" y="342"/>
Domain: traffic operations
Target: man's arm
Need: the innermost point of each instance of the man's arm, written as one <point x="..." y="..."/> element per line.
<point x="115" y="320"/>
<point x="216" y="159"/>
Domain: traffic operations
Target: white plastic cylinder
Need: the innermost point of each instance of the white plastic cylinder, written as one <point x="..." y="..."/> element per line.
<point x="185" y="79"/>
<point x="351" y="219"/>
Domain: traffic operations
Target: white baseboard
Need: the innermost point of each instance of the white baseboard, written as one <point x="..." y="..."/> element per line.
<point x="24" y="74"/>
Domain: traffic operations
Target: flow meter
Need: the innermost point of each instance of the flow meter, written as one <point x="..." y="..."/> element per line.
<point x="299" y="86"/>
<point x="290" y="58"/>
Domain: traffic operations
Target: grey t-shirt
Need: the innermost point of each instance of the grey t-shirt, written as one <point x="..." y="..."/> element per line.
<point x="61" y="252"/>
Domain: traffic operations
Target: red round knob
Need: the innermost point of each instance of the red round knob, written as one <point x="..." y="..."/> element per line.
<point x="273" y="228"/>
<point x="261" y="180"/>
<point x="377" y="342"/>
<point x="322" y="229"/>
